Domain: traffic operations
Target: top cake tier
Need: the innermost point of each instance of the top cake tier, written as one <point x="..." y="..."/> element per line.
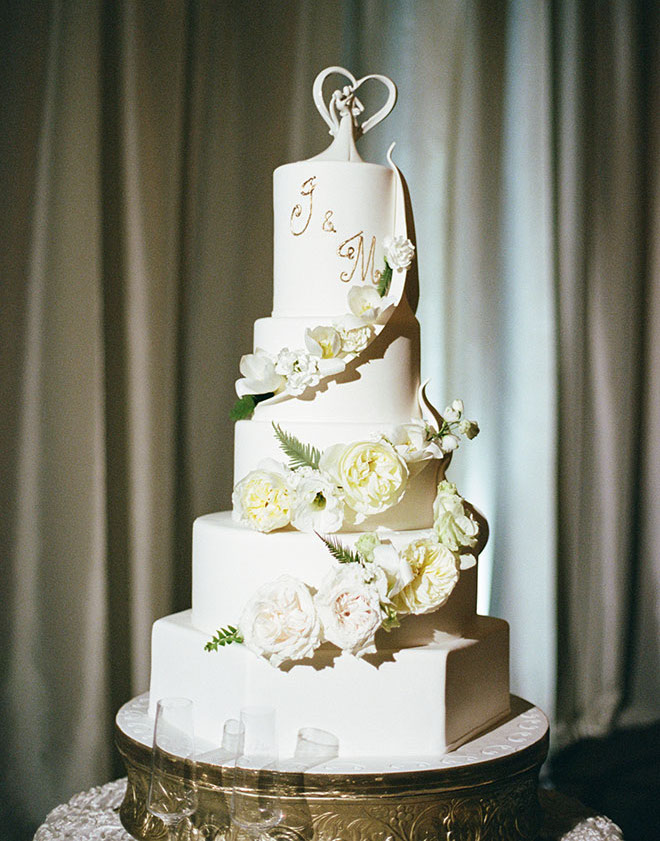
<point x="330" y="221"/>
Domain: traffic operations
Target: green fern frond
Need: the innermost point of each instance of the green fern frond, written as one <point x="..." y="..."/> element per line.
<point x="339" y="552"/>
<point x="300" y="455"/>
<point x="225" y="636"/>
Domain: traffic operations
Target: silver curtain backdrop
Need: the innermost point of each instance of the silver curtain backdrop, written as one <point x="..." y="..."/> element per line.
<point x="138" y="143"/>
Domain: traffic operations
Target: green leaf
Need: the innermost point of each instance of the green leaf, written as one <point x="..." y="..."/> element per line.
<point x="225" y="636"/>
<point x="244" y="406"/>
<point x="385" y="280"/>
<point x="300" y="455"/>
<point x="391" y="619"/>
<point x="339" y="552"/>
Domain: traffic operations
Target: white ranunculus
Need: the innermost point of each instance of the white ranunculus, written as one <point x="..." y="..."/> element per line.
<point x="435" y="574"/>
<point x="455" y="526"/>
<point x="448" y="443"/>
<point x="299" y="368"/>
<point x="280" y="622"/>
<point x="259" y="374"/>
<point x="349" y="609"/>
<point x="262" y="501"/>
<point x="317" y="504"/>
<point x="399" y="252"/>
<point x="324" y="342"/>
<point x="372" y="475"/>
<point x="355" y="335"/>
<point x="365" y="303"/>
<point x="469" y="428"/>
<point x="453" y="413"/>
<point x="413" y="442"/>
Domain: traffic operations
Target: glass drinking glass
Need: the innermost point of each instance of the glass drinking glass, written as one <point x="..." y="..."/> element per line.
<point x="254" y="805"/>
<point x="314" y="746"/>
<point x="172" y="794"/>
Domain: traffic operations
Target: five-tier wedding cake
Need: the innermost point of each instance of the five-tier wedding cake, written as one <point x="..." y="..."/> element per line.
<point x="341" y="588"/>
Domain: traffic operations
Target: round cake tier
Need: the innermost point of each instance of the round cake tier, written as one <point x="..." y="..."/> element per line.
<point x="330" y="220"/>
<point x="381" y="385"/>
<point x="230" y="562"/>
<point x="487" y="789"/>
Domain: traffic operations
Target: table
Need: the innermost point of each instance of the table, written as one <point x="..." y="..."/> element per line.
<point x="93" y="815"/>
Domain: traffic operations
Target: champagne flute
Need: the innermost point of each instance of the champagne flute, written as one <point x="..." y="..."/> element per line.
<point x="172" y="794"/>
<point x="254" y="805"/>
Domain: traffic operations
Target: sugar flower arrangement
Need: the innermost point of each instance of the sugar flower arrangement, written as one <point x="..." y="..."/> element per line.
<point x="371" y="586"/>
<point x="328" y="348"/>
<point x="346" y="483"/>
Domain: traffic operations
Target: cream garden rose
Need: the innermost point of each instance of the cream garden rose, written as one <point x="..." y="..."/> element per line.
<point x="454" y="525"/>
<point x="280" y="622"/>
<point x="372" y="475"/>
<point x="349" y="609"/>
<point x="435" y="574"/>
<point x="262" y="501"/>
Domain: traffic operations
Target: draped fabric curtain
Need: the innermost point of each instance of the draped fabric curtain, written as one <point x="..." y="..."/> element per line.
<point x="138" y="144"/>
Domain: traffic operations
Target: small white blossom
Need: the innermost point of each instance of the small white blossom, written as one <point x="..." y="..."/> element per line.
<point x="453" y="413"/>
<point x="317" y="504"/>
<point x="414" y="442"/>
<point x="259" y="374"/>
<point x="449" y="443"/>
<point x="455" y="526"/>
<point x="299" y="368"/>
<point x="469" y="428"/>
<point x="365" y="303"/>
<point x="399" y="252"/>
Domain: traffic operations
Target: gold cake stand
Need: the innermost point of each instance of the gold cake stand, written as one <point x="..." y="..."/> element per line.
<point x="484" y="790"/>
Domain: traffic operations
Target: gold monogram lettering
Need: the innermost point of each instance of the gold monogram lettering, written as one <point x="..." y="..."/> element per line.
<point x="353" y="249"/>
<point x="307" y="189"/>
<point x="328" y="224"/>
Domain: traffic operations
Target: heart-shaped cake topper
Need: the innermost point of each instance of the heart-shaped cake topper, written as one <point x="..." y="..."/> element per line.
<point x="345" y="101"/>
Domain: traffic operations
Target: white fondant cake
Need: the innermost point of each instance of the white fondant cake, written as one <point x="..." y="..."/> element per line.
<point x="342" y="587"/>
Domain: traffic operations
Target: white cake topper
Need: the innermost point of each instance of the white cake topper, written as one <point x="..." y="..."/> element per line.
<point x="341" y="115"/>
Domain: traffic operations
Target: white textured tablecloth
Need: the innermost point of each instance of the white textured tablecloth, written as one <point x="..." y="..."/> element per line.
<point x="94" y="816"/>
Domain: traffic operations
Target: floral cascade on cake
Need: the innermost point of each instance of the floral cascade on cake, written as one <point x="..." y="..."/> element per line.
<point x="341" y="587"/>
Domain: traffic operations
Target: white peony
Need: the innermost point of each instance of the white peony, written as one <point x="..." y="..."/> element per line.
<point x="372" y="475"/>
<point x="399" y="252"/>
<point x="259" y="374"/>
<point x="365" y="303"/>
<point x="280" y="622"/>
<point x="324" y="342"/>
<point x="435" y="574"/>
<point x="317" y="504"/>
<point x="262" y="501"/>
<point x="455" y="526"/>
<point x="349" y="609"/>
<point x="355" y="334"/>
<point x="453" y="413"/>
<point x="299" y="368"/>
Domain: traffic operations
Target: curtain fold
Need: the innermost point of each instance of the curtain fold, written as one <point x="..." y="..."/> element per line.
<point x="136" y="162"/>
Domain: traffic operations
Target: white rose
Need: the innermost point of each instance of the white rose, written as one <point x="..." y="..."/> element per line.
<point x="280" y="621"/>
<point x="262" y="501"/>
<point x="365" y="303"/>
<point x="436" y="573"/>
<point x="372" y="475"/>
<point x="355" y="337"/>
<point x="456" y="528"/>
<point x="324" y="342"/>
<point x="300" y="369"/>
<point x="469" y="428"/>
<point x="259" y="374"/>
<point x="399" y="252"/>
<point x="317" y="505"/>
<point x="453" y="413"/>
<point x="349" y="609"/>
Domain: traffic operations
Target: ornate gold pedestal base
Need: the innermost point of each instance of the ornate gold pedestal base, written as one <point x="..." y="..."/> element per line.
<point x="487" y="789"/>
